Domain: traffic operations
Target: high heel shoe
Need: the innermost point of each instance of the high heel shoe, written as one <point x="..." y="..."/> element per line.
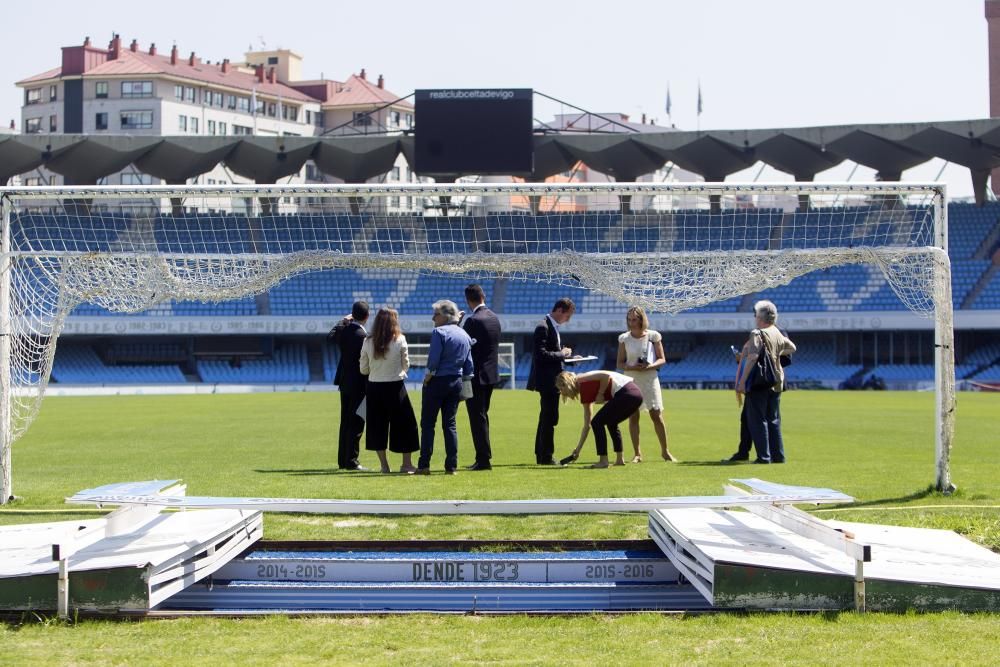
<point x="637" y="458"/>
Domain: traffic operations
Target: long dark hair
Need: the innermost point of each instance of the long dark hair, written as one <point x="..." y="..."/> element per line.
<point x="385" y="331"/>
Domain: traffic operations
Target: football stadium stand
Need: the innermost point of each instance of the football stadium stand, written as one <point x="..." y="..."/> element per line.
<point x="974" y="248"/>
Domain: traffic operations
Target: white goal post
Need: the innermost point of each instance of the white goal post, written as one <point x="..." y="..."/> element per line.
<point x="666" y="247"/>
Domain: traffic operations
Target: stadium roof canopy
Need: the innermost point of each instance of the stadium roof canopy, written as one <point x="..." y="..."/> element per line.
<point x="714" y="154"/>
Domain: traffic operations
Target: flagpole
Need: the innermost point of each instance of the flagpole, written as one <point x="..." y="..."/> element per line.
<point x="670" y="118"/>
<point x="699" y="106"/>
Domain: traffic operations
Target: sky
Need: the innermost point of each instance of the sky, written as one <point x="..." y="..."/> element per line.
<point x="759" y="64"/>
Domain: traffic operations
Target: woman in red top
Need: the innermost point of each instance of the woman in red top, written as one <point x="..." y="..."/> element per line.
<point x="621" y="398"/>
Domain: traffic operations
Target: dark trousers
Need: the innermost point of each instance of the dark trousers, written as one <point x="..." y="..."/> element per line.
<point x="393" y="423"/>
<point x="764" y="422"/>
<point x="479" y="420"/>
<point x="441" y="395"/>
<point x="351" y="428"/>
<point x="746" y="439"/>
<point x="548" y="417"/>
<point x="618" y="409"/>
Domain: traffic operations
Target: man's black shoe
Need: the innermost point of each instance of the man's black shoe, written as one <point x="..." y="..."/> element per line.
<point x="358" y="468"/>
<point x="547" y="462"/>
<point x="762" y="461"/>
<point x="737" y="458"/>
<point x="479" y="466"/>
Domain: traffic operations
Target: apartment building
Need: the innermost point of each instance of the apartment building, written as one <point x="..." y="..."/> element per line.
<point x="142" y="92"/>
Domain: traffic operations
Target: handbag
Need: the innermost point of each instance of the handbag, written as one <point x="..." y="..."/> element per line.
<point x="763" y="374"/>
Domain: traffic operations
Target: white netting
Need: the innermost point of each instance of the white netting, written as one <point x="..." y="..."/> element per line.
<point x="666" y="247"/>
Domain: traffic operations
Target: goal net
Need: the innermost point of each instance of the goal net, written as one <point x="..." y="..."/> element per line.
<point x="666" y="247"/>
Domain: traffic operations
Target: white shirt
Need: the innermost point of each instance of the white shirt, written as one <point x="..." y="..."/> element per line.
<point x="390" y="368"/>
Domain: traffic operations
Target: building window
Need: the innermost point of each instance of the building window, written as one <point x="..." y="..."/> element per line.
<point x="32" y="181"/>
<point x="179" y="93"/>
<point x="362" y="119"/>
<point x="394" y="118"/>
<point x="182" y="123"/>
<point x="242" y="130"/>
<point x="393" y="202"/>
<point x="230" y="101"/>
<point x="53" y="93"/>
<point x="33" y="96"/>
<point x="137" y="179"/>
<point x="189" y="94"/>
<point x="289" y="112"/>
<point x="32" y="125"/>
<point x="395" y="174"/>
<point x="222" y="129"/>
<point x="243" y="104"/>
<point x="261" y="105"/>
<point x="137" y="120"/>
<point x="220" y="100"/>
<point x="53" y="123"/>
<point x="101" y="121"/>
<point x="137" y="88"/>
<point x="409" y="120"/>
<point x="101" y="90"/>
<point x="272" y="60"/>
<point x="210" y="127"/>
<point x="272" y="109"/>
<point x="194" y="125"/>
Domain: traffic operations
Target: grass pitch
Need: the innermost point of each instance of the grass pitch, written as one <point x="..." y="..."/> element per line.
<point x="876" y="446"/>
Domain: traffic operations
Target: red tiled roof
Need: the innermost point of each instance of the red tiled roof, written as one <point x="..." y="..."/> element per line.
<point x="140" y="63"/>
<point x="49" y="74"/>
<point x="353" y="92"/>
<point x="358" y="92"/>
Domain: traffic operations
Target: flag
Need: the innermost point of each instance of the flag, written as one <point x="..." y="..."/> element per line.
<point x="699" y="98"/>
<point x="668" y="100"/>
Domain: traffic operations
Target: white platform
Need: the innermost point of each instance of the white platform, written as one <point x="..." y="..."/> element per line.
<point x="130" y="571"/>
<point x="737" y="559"/>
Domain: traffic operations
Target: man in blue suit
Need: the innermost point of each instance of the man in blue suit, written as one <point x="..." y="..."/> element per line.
<point x="547" y="357"/>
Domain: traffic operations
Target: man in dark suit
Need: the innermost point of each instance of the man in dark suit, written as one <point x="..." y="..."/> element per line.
<point x="547" y="359"/>
<point x="483" y="327"/>
<point x="349" y="335"/>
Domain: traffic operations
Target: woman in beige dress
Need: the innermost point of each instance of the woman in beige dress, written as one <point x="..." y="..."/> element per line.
<point x="640" y="355"/>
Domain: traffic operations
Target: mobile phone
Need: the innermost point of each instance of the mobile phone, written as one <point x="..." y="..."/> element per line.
<point x="735" y="351"/>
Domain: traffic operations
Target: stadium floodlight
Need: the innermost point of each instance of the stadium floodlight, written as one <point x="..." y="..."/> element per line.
<point x="666" y="247"/>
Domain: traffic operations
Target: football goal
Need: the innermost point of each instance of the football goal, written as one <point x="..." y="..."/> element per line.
<point x="666" y="247"/>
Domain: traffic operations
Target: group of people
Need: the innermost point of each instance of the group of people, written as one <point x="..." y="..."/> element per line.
<point x="463" y="364"/>
<point x="640" y="355"/>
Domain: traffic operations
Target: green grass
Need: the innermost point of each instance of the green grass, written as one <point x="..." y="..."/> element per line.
<point x="878" y="447"/>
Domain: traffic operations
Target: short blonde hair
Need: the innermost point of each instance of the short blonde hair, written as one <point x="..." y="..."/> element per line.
<point x="567" y="385"/>
<point x="640" y="313"/>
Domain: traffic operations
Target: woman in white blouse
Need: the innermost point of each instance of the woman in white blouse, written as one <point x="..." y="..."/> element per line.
<point x="640" y="355"/>
<point x="385" y="360"/>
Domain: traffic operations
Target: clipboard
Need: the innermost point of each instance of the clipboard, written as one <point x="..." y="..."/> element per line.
<point x="579" y="360"/>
